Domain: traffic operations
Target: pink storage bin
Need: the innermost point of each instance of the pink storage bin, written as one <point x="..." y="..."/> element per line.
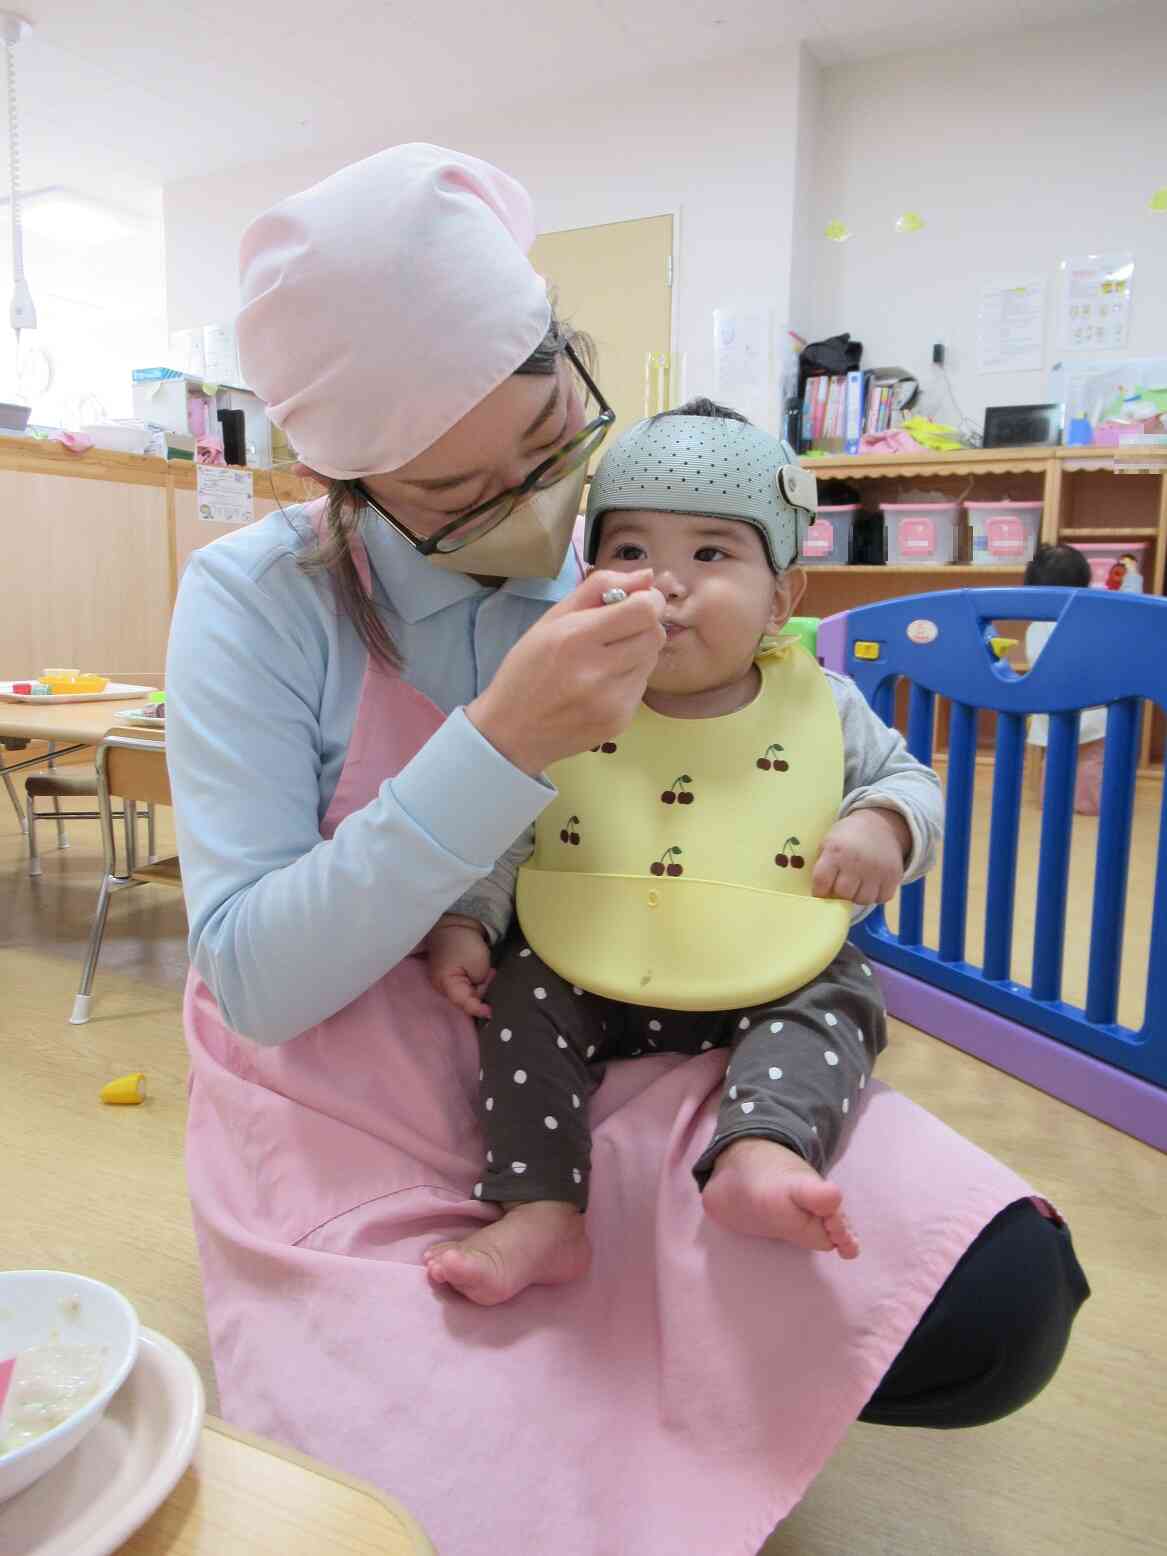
<point x="1109" y="434"/>
<point x="1102" y="555"/>
<point x="1003" y="533"/>
<point x="922" y="533"/>
<point x="828" y="540"/>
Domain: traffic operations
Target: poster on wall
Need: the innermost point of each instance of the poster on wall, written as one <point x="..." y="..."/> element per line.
<point x="742" y="374"/>
<point x="1095" y="311"/>
<point x="1011" y="326"/>
<point x="224" y="496"/>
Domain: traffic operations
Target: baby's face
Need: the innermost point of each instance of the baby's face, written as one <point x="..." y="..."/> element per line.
<point x="721" y="597"/>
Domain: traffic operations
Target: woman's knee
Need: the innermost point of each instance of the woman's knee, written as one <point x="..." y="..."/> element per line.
<point x="996" y="1332"/>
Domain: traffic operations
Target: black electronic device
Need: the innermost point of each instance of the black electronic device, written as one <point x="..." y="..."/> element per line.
<point x="1021" y="426"/>
<point x="234" y="437"/>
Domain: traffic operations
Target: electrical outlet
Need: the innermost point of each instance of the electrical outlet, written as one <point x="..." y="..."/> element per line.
<point x="938" y="354"/>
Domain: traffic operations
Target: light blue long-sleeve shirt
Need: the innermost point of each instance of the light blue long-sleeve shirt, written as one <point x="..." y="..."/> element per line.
<point x="263" y="679"/>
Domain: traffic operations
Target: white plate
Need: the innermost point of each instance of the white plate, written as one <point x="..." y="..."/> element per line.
<point x="112" y="692"/>
<point x="123" y="1471"/>
<point x="140" y="716"/>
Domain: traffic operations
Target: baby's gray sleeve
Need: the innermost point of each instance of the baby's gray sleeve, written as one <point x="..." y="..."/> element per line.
<point x="881" y="773"/>
<point x="491" y="900"/>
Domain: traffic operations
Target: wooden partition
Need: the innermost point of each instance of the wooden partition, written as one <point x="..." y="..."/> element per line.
<point x="91" y="549"/>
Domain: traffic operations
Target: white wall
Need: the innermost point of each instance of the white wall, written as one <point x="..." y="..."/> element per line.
<point x="101" y="312"/>
<point x="718" y="145"/>
<point x="802" y="269"/>
<point x="1018" y="153"/>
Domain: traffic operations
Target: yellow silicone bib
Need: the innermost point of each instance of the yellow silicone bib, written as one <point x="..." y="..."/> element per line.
<point x="674" y="867"/>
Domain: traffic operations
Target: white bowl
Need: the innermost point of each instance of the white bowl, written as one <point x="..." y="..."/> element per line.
<point x="50" y="1307"/>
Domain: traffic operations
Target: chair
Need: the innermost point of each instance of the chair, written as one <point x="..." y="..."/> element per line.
<point x="134" y="770"/>
<point x="56" y="784"/>
<point x="1106" y="651"/>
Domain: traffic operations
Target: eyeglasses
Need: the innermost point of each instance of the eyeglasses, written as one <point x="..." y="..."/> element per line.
<point x="489" y="515"/>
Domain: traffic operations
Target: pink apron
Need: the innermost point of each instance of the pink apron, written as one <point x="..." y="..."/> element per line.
<point x="680" y="1398"/>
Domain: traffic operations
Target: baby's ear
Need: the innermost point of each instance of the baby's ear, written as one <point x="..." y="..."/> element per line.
<point x="789" y="588"/>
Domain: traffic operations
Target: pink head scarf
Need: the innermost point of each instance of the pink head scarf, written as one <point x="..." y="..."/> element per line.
<point x="383" y="304"/>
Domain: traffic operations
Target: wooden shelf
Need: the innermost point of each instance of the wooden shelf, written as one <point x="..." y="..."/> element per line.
<point x="1111" y="532"/>
<point x="965" y="461"/>
<point x="1081" y="501"/>
<point x="46" y="456"/>
<point x="952" y="569"/>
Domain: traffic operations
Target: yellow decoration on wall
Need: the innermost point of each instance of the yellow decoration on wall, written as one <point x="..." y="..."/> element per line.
<point x="838" y="232"/>
<point x="910" y="221"/>
<point x="1159" y="201"/>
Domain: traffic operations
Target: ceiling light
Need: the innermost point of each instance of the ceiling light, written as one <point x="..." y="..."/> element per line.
<point x="65" y="214"/>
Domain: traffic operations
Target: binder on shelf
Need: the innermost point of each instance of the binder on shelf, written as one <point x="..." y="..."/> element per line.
<point x="856" y="384"/>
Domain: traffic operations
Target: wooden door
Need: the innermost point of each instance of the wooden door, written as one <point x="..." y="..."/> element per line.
<point x="614" y="282"/>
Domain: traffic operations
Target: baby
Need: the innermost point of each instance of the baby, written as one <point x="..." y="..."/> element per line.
<point x="691" y="886"/>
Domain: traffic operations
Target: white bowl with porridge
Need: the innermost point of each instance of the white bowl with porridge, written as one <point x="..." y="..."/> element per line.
<point x="71" y="1343"/>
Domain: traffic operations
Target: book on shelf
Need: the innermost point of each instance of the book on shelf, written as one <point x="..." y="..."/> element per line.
<point x="880" y="406"/>
<point x="839" y="409"/>
<point x="822" y="388"/>
<point x="836" y="395"/>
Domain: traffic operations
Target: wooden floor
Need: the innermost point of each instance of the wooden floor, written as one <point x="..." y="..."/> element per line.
<point x="1079" y="1473"/>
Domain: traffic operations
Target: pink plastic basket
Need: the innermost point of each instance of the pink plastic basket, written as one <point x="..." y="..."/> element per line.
<point x="922" y="533"/>
<point x="1102" y="556"/>
<point x="828" y="540"/>
<point x="1003" y="532"/>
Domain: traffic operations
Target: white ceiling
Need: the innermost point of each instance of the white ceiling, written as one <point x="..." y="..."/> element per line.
<point x="120" y="96"/>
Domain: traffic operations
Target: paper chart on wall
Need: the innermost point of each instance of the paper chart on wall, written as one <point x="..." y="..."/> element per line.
<point x="1011" y="326"/>
<point x="225" y="496"/>
<point x="742" y="359"/>
<point x="1095" y="309"/>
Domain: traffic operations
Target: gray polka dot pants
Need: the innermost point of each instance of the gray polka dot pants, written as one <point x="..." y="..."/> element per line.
<point x="797" y="1068"/>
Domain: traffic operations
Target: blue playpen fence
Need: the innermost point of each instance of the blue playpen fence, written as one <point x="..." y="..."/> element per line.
<point x="1105" y="650"/>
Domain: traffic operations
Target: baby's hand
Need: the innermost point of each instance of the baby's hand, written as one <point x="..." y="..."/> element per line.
<point x="862" y="858"/>
<point x="459" y="962"/>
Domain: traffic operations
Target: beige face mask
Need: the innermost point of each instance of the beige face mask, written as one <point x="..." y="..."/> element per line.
<point x="531" y="542"/>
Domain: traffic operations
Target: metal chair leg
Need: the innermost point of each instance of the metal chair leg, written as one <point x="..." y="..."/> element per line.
<point x="151" y="851"/>
<point x="62" y="840"/>
<point x="83" y="997"/>
<point x="34" y="858"/>
<point x="130" y="817"/>
<point x="13" y="796"/>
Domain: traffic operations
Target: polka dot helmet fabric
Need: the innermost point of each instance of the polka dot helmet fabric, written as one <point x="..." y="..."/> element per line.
<point x="706" y="464"/>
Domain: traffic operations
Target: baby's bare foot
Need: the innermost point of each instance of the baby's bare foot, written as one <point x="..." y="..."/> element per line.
<point x="763" y="1189"/>
<point x="538" y="1244"/>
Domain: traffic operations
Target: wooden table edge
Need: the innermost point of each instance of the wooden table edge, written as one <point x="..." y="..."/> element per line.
<point x="409" y="1523"/>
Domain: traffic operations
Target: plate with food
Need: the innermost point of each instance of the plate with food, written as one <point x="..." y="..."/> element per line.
<point x="151" y="717"/>
<point x="53" y="686"/>
<point x="100" y="1418"/>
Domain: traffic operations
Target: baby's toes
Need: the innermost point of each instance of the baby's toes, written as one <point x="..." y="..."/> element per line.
<point x="843" y="1240"/>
